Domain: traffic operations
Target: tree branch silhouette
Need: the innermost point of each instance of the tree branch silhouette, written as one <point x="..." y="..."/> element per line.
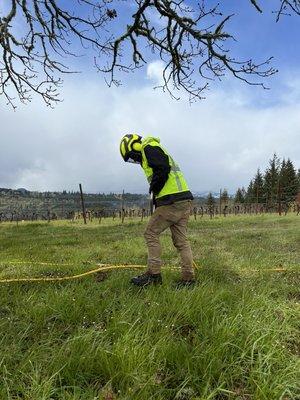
<point x="38" y="38"/>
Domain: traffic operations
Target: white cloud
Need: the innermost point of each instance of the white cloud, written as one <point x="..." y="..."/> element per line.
<point x="155" y="71"/>
<point x="219" y="142"/>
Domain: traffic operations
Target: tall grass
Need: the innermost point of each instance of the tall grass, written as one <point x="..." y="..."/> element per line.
<point x="234" y="336"/>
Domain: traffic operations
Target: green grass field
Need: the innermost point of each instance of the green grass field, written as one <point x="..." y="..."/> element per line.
<point x="234" y="336"/>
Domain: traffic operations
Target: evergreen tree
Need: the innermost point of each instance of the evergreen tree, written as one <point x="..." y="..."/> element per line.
<point x="249" y="198"/>
<point x="288" y="181"/>
<point x="280" y="181"/>
<point x="271" y="180"/>
<point x="224" y="197"/>
<point x="239" y="196"/>
<point x="244" y="193"/>
<point x="210" y="200"/>
<point x="258" y="188"/>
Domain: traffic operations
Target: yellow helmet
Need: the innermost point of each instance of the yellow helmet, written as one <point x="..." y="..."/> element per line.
<point x="130" y="148"/>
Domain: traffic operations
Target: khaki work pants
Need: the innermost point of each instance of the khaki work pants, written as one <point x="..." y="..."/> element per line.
<point x="174" y="216"/>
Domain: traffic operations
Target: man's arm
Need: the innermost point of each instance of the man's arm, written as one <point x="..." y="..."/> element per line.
<point x="159" y="162"/>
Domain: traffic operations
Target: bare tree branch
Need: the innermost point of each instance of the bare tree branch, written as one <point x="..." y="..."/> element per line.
<point x="287" y="7"/>
<point x="185" y="45"/>
<point x="254" y="2"/>
<point x="189" y="41"/>
<point x="27" y="61"/>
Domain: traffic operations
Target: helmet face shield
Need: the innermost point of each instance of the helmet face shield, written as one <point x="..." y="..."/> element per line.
<point x="134" y="157"/>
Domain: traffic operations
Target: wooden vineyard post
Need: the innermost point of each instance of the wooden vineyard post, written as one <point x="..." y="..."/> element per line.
<point x="82" y="203"/>
<point x="256" y="211"/>
<point x="48" y="211"/>
<point x="195" y="213"/>
<point x="202" y="211"/>
<point x="122" y="208"/>
<point x="62" y="209"/>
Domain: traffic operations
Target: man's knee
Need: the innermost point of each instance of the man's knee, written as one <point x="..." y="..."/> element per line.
<point x="149" y="234"/>
<point x="180" y="243"/>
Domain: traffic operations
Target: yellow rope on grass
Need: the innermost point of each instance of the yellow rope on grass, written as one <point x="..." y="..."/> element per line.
<point x="103" y="268"/>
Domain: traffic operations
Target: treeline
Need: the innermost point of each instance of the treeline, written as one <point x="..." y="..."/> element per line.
<point x="280" y="182"/>
<point x="69" y="195"/>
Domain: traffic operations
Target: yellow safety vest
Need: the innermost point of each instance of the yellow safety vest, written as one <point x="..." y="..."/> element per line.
<point x="175" y="182"/>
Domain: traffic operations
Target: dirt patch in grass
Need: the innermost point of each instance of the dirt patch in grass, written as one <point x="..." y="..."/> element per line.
<point x="293" y="345"/>
<point x="185" y="331"/>
<point x="241" y="393"/>
<point x="294" y="296"/>
<point x="101" y="276"/>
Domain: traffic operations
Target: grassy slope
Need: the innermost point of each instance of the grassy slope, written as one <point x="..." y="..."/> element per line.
<point x="232" y="337"/>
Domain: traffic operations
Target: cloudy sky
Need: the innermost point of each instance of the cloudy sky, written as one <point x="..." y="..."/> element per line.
<point x="219" y="142"/>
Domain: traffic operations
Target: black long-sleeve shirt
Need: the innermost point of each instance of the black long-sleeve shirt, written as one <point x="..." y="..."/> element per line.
<point x="159" y="162"/>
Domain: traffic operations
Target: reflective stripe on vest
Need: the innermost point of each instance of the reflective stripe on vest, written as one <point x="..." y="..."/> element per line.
<point x="175" y="168"/>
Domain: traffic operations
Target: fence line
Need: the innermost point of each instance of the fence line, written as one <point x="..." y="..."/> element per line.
<point x="94" y="211"/>
<point x="49" y="208"/>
